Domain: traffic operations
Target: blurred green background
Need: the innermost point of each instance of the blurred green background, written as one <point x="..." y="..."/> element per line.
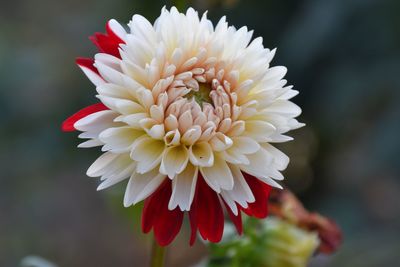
<point x="342" y="55"/>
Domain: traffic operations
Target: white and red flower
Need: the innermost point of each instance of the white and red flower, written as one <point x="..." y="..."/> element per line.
<point x="187" y="112"/>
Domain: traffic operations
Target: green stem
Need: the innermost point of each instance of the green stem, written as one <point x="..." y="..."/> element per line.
<point x="157" y="255"/>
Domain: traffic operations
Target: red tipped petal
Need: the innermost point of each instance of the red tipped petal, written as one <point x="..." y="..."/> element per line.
<point x="86" y="63"/>
<point x="156" y="215"/>
<point x="68" y="124"/>
<point x="236" y="219"/>
<point x="107" y="43"/>
<point x="261" y="191"/>
<point x="113" y="35"/>
<point x="206" y="213"/>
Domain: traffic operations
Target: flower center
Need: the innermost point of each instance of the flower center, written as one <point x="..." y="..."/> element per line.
<point x="202" y="95"/>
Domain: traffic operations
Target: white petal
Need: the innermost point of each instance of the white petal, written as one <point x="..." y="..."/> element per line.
<point x="284" y="107"/>
<point x="94" y="77"/>
<point x="120" y="174"/>
<point x="241" y="192"/>
<point x="90" y="143"/>
<point x="259" y="130"/>
<point x="115" y="77"/>
<point x="119" y="139"/>
<point x="260" y="163"/>
<point x="219" y="175"/>
<point x="119" y="167"/>
<point x="183" y="188"/>
<point x="280" y="159"/>
<point x="97" y="121"/>
<point x="117" y="28"/>
<point x="117" y="91"/>
<point x="230" y="202"/>
<point x="270" y="181"/>
<point x="140" y="186"/>
<point x="245" y="145"/>
<point x="98" y="166"/>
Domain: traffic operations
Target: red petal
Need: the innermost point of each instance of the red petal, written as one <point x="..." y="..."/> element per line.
<point x="68" y="124"/>
<point x="206" y="213"/>
<point x="166" y="223"/>
<point x="236" y="219"/>
<point x="87" y="63"/>
<point x="261" y="191"/>
<point x="107" y="43"/>
<point x="193" y="218"/>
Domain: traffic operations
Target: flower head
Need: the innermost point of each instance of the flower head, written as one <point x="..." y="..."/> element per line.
<point x="187" y="112"/>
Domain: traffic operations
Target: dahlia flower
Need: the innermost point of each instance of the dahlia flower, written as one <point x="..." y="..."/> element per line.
<point x="187" y="112"/>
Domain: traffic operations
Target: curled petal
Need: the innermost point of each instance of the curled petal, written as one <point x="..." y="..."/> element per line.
<point x="201" y="154"/>
<point x="174" y="160"/>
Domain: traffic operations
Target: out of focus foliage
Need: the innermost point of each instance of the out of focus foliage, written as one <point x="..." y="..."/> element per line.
<point x="343" y="56"/>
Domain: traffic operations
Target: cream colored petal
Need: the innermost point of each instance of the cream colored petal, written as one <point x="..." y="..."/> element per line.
<point x="157" y="131"/>
<point x="171" y="123"/>
<point x="191" y="135"/>
<point x="124" y="106"/>
<point x="284" y="107"/>
<point x="147" y="152"/>
<point x="237" y="128"/>
<point x="220" y="142"/>
<point x="172" y="138"/>
<point x="174" y="160"/>
<point x="259" y="130"/>
<point x="235" y="156"/>
<point x="245" y="145"/>
<point x="185" y="121"/>
<point x="201" y="154"/>
<point x="133" y="120"/>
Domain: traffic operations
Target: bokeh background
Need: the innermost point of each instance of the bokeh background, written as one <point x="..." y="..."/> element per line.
<point x="342" y="55"/>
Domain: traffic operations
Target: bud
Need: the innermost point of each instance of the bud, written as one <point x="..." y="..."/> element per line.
<point x="269" y="243"/>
